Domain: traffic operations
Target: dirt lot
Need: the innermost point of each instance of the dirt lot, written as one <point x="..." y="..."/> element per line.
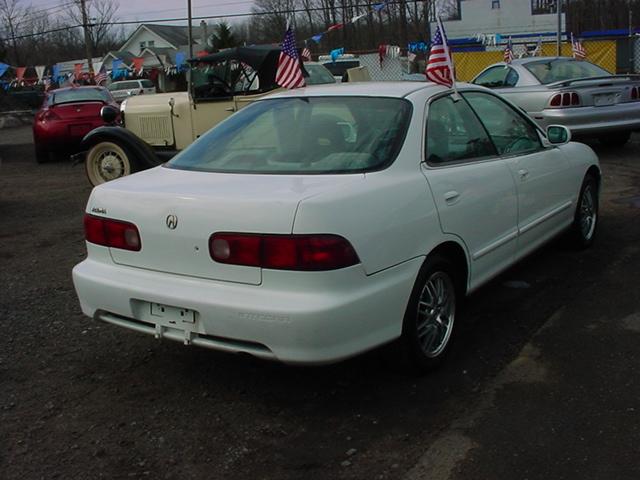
<point x="542" y="384"/>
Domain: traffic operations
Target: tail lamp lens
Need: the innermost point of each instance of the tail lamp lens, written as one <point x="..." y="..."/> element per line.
<point x="283" y="252"/>
<point x="566" y="99"/>
<point x="112" y="233"/>
<point x="49" y="115"/>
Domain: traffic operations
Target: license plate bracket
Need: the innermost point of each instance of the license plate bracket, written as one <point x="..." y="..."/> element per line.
<point x="170" y="316"/>
<point x="605" y="99"/>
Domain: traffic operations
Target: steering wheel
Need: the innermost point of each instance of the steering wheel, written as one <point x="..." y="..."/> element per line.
<point x="224" y="83"/>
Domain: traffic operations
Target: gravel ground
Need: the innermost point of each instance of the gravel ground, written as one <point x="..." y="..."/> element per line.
<point x="85" y="400"/>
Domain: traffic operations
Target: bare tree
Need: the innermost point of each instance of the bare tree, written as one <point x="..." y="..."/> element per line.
<point x="100" y="14"/>
<point x="11" y="11"/>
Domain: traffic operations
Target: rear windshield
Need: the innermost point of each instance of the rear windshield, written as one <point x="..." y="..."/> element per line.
<point x="318" y="75"/>
<point x="303" y="135"/>
<point x="549" y="71"/>
<point x="80" y="95"/>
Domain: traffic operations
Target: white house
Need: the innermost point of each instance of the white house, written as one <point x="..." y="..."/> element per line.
<point x="158" y="46"/>
<point x="467" y="18"/>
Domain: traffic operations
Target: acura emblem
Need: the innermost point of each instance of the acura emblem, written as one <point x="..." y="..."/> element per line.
<point x="172" y="222"/>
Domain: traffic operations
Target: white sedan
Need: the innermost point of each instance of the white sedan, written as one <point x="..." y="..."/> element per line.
<point x="323" y="222"/>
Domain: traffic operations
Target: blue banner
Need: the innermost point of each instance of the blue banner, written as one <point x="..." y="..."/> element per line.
<point x="3" y="68"/>
<point x="180" y="58"/>
<point x="338" y="52"/>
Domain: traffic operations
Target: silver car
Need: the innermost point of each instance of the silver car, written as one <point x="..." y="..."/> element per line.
<point x="580" y="95"/>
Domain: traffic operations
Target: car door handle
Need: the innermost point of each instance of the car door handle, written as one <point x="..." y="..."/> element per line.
<point x="523" y="173"/>
<point x="451" y="197"/>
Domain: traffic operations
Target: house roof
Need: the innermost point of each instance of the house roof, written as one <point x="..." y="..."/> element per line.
<point x="176" y="35"/>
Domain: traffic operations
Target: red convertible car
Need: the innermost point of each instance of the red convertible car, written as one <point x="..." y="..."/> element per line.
<point x="66" y="116"/>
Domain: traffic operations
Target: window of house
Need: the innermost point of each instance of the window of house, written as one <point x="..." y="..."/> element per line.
<point x="495" y="4"/>
<point x="151" y="43"/>
<point x="142" y="45"/>
<point x="447" y="9"/>
<point x="543" y="7"/>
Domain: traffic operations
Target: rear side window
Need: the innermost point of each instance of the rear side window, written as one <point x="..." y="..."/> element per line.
<point x="147" y="84"/>
<point x="510" y="131"/>
<point x="454" y="133"/>
<point x="498" y="77"/>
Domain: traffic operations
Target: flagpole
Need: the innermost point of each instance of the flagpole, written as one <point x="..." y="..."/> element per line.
<point x="559" y="32"/>
<point x="445" y="41"/>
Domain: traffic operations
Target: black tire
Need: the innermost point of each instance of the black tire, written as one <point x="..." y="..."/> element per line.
<point x="426" y="339"/>
<point x="585" y="220"/>
<point x="42" y="155"/>
<point x="615" y="139"/>
<point x="108" y="160"/>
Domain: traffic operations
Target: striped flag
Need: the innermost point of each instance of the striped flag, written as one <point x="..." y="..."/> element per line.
<point x="101" y="77"/>
<point x="439" y="68"/>
<point x="306" y="54"/>
<point x="508" y="52"/>
<point x="577" y="49"/>
<point x="289" y="73"/>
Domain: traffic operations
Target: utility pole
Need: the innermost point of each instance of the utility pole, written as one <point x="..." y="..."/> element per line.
<point x="87" y="37"/>
<point x="190" y="40"/>
<point x="559" y="32"/>
<point x="631" y="42"/>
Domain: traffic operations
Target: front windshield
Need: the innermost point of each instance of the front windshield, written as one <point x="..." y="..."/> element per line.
<point x="318" y="75"/>
<point x="80" y="95"/>
<point x="301" y="135"/>
<point x="558" y="70"/>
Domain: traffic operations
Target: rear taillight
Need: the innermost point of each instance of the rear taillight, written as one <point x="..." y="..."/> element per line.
<point x="49" y="115"/>
<point x="111" y="233"/>
<point x="564" y="100"/>
<point x="283" y="252"/>
<point x="635" y="93"/>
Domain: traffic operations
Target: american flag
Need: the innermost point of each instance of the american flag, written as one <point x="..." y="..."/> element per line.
<point x="101" y="76"/>
<point x="289" y="73"/>
<point x="439" y="68"/>
<point x="508" y="52"/>
<point x="306" y="54"/>
<point x="577" y="49"/>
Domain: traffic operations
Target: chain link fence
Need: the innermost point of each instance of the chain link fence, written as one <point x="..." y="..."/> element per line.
<point x="470" y="60"/>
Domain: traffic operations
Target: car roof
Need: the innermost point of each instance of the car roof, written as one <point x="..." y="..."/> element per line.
<point x="368" y="89"/>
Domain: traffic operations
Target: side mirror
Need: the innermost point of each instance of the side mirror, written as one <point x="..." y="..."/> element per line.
<point x="558" y="134"/>
<point x="109" y="114"/>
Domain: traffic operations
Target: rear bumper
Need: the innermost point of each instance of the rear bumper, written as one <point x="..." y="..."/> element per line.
<point x="592" y="120"/>
<point x="293" y="317"/>
<point x="57" y="136"/>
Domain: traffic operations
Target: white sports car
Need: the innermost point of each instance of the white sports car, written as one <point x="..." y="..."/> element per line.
<point x="323" y="222"/>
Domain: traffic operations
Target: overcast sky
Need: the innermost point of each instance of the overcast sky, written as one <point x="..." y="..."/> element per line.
<point x="155" y="9"/>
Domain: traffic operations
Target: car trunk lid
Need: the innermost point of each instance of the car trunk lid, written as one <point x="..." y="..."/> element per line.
<point x="177" y="211"/>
